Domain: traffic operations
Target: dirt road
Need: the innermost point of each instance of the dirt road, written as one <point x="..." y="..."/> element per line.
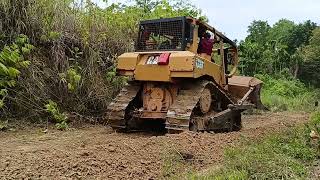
<point x="96" y="152"/>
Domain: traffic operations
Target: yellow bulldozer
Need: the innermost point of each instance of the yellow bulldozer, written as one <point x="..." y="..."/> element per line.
<point x="174" y="85"/>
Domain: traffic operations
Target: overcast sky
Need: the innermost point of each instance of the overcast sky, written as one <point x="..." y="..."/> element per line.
<point x="234" y="16"/>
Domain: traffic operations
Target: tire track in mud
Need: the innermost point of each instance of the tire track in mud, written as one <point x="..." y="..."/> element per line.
<point x="99" y="153"/>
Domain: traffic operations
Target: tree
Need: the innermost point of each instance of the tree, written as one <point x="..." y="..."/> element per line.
<point x="300" y="35"/>
<point x="311" y="56"/>
<point x="297" y="39"/>
<point x="275" y="49"/>
<point x="258" y="32"/>
<point x="254" y="48"/>
<point x="147" y="5"/>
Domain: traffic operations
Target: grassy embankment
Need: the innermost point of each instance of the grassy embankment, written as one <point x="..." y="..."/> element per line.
<point x="287" y="155"/>
<point x="290" y="154"/>
<point x="288" y="94"/>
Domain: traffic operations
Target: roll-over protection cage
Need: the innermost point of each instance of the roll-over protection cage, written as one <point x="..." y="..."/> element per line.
<point x="167" y="34"/>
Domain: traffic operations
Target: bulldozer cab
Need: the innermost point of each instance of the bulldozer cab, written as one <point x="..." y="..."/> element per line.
<point x="170" y="34"/>
<point x="185" y="34"/>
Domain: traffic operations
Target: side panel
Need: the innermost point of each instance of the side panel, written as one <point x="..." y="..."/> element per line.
<point x="152" y="73"/>
<point x="128" y="61"/>
<point x="204" y="67"/>
<point x="182" y="64"/>
<point x="182" y="74"/>
<point x="181" y="61"/>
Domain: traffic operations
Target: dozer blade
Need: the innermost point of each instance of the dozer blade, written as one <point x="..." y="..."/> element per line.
<point x="246" y="90"/>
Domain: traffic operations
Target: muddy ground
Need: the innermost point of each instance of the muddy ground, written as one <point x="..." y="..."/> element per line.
<point x="97" y="152"/>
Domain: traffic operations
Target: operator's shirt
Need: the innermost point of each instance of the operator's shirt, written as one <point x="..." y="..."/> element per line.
<point x="206" y="46"/>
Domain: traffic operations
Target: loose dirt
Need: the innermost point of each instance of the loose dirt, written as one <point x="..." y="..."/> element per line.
<point x="97" y="152"/>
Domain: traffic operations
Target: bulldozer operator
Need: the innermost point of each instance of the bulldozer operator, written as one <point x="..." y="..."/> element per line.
<point x="206" y="46"/>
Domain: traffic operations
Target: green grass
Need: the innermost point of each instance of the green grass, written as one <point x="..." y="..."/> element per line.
<point x="276" y="102"/>
<point x="287" y="155"/>
<point x="175" y="162"/>
<point x="288" y="94"/>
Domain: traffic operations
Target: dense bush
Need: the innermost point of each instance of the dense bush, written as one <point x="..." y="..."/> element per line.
<point x="314" y="128"/>
<point x="76" y="44"/>
<point x="282" y="93"/>
<point x="13" y="58"/>
<point x="309" y="72"/>
<point x="272" y="49"/>
<point x="59" y="118"/>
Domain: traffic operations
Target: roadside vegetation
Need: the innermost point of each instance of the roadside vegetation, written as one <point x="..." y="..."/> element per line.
<point x="58" y="58"/>
<point x="62" y="55"/>
<point x="285" y="93"/>
<point x="291" y="83"/>
<point x="292" y="154"/>
<point x="286" y="57"/>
